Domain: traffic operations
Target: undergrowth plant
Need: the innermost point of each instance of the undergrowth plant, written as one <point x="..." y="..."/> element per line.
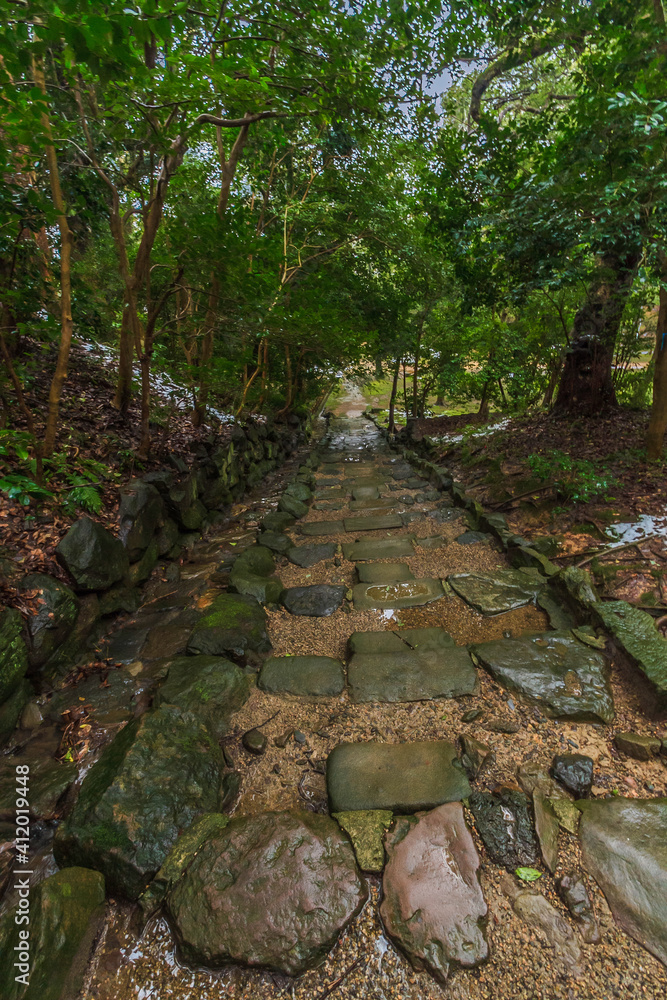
<point x="575" y="479"/>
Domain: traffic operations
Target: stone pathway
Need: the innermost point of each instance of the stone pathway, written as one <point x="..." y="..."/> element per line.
<point x="360" y="725"/>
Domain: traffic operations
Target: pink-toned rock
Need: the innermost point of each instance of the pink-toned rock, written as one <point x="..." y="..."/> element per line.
<point x="433" y="907"/>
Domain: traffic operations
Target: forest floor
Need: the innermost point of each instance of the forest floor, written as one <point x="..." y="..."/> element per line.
<point x="584" y="485"/>
<point x="96" y="444"/>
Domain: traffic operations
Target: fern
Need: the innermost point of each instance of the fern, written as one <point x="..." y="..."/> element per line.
<point x="86" y="497"/>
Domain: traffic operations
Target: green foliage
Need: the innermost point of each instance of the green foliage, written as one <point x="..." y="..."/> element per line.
<point x="576" y="479"/>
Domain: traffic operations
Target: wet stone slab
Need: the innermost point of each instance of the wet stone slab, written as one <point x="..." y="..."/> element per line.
<point x="624" y="848"/>
<point x="379" y="522"/>
<point x="504" y="591"/>
<point x="383" y="503"/>
<point x="433" y="907"/>
<point x="636" y="633"/>
<point x="309" y="676"/>
<point x="384" y="548"/>
<point x="307" y="555"/>
<point x="272" y="890"/>
<point x="403" y="594"/>
<point x="314" y="528"/>
<point x="384" y="572"/>
<point x="365" y="493"/>
<point x="366" y="829"/>
<point x="411" y="674"/>
<point x="318" y="601"/>
<point x="401" y="777"/>
<point x="565" y="677"/>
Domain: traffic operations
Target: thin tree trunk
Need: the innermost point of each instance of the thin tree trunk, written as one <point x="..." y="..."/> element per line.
<point x="483" y="412"/>
<point x="658" y="423"/>
<point x="392" y="398"/>
<point x="415" y="374"/>
<point x="60" y="374"/>
<point x="405" y="394"/>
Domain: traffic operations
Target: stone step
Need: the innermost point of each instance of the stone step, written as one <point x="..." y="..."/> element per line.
<point x="411" y="675"/>
<point x="316" y="528"/>
<point x="309" y="676"/>
<point x="401" y="594"/>
<point x="384" y="548"/>
<point x="402" y="777"/>
<point x="384" y="572"/>
<point x="379" y="522"/>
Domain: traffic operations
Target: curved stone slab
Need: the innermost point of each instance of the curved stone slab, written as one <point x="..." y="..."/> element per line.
<point x="271" y="891"/>
<point x="310" y="676"/>
<point x="307" y="555"/>
<point x="433" y="907"/>
<point x="401" y="594"/>
<point x="411" y="675"/>
<point x="566" y="678"/>
<point x="624" y="846"/>
<point x="401" y="777"/>
<point x="506" y="590"/>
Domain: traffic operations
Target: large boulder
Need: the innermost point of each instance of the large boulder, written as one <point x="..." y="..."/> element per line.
<point x="160" y="772"/>
<point x="46" y="959"/>
<point x="210" y="686"/>
<point x="140" y="514"/>
<point x="56" y="610"/>
<point x="92" y="555"/>
<point x="272" y="890"/>
<point x="234" y="623"/>
<point x="624" y="848"/>
<point x="432" y="906"/>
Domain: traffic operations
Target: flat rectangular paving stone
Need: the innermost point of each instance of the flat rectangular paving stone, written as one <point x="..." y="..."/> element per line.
<point x="384" y="548"/>
<point x="310" y="676"/>
<point x="426" y="638"/>
<point x="402" y="594"/>
<point x="360" y="482"/>
<point x="376" y="642"/>
<point x="402" y="777"/>
<point x="568" y="679"/>
<point x="360" y="493"/>
<point x="323" y="528"/>
<point x="384" y="572"/>
<point x="378" y="505"/>
<point x="331" y="494"/>
<point x="411" y="675"/>
<point x="379" y="522"/>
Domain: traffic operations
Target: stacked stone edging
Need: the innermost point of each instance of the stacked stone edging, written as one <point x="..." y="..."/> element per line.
<point x="160" y="514"/>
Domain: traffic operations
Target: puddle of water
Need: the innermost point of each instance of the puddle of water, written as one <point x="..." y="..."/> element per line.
<point x="635" y="531"/>
<point x="398" y="590"/>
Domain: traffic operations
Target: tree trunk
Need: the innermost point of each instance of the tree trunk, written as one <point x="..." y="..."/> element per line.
<point x="658" y="422"/>
<point x="415" y="375"/>
<point x="586" y="385"/>
<point x="551" y="387"/>
<point x="440" y="399"/>
<point x="60" y="374"/>
<point x="392" y="398"/>
<point x="483" y="412"/>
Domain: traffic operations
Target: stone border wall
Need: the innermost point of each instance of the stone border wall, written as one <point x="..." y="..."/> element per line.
<point x="161" y="513"/>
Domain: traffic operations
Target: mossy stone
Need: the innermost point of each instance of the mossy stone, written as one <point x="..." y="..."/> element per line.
<point x="300" y="491"/>
<point x="366" y="829"/>
<point x="92" y="555"/>
<point x="10" y="710"/>
<point x="13" y="653"/>
<point x="635" y="632"/>
<point x="234" y="623"/>
<point x="140" y="571"/>
<point x="66" y="910"/>
<point x="211" y="687"/>
<point x="54" y="619"/>
<point x="290" y="505"/>
<point x="159" y="773"/>
<point x="178" y="859"/>
<point x="277" y="520"/>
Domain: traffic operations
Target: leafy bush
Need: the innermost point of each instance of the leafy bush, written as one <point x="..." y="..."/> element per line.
<point x="577" y="479"/>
